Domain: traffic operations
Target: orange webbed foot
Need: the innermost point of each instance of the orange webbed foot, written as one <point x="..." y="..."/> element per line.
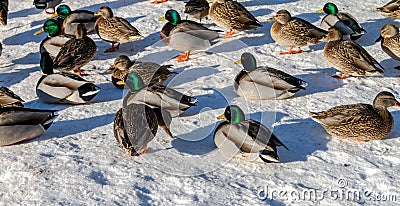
<point x="342" y="76"/>
<point x="229" y="34"/>
<point x="183" y="57"/>
<point x="291" y="51"/>
<point x="79" y="72"/>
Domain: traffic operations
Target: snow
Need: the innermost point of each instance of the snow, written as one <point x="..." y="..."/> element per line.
<point x="77" y="161"/>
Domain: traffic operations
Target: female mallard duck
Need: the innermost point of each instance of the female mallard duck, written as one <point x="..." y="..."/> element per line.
<point x="150" y="72"/>
<point x="156" y="95"/>
<point x="55" y="40"/>
<point x="3" y="11"/>
<point x="19" y="124"/>
<point x="229" y="14"/>
<point x="349" y="57"/>
<point x="62" y="87"/>
<point x="345" y="22"/>
<point x="390" y="41"/>
<point x="292" y="31"/>
<point x="197" y="9"/>
<point x="115" y="29"/>
<point x="390" y="10"/>
<point x="47" y="5"/>
<point x="70" y="19"/>
<point x="76" y="52"/>
<point x="186" y="35"/>
<point x="360" y="122"/>
<point x="264" y="82"/>
<point x="9" y="99"/>
<point x="249" y="137"/>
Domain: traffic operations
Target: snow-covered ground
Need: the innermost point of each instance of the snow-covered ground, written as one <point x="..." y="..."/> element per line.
<point x="77" y="161"/>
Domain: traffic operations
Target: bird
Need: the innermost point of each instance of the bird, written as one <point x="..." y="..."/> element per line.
<point x="250" y="138"/>
<point x="70" y="19"/>
<point x="390" y="10"/>
<point x="76" y="52"/>
<point x="345" y="22"/>
<point x="65" y="88"/>
<point x="19" y="124"/>
<point x="390" y="41"/>
<point x="114" y="29"/>
<point x="291" y="31"/>
<point x="9" y="99"/>
<point x="186" y="35"/>
<point x="3" y="11"/>
<point x="359" y="122"/>
<point x="1" y="48"/>
<point x="47" y="5"/>
<point x="197" y="9"/>
<point x="263" y="82"/>
<point x="349" y="57"/>
<point x="150" y="72"/>
<point x="229" y="14"/>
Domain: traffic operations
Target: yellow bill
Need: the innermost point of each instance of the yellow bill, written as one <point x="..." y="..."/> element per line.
<point x="320" y="11"/>
<point x="39" y="32"/>
<point x="54" y="15"/>
<point x="162" y="19"/>
<point x="238" y="62"/>
<point x="222" y="116"/>
<point x="121" y="82"/>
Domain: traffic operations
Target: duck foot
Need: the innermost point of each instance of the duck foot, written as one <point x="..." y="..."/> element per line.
<point x="341" y="76"/>
<point x="113" y="48"/>
<point x="229" y="34"/>
<point x="79" y="72"/>
<point x="49" y="11"/>
<point x="183" y="57"/>
<point x="359" y="140"/>
<point x="145" y="149"/>
<point x="291" y="51"/>
<point x="158" y="2"/>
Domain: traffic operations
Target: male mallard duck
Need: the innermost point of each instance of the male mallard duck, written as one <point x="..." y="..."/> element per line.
<point x="198" y="9"/>
<point x="390" y="10"/>
<point x="18" y="124"/>
<point x="229" y="14"/>
<point x="345" y="22"/>
<point x="390" y="41"/>
<point x="46" y="5"/>
<point x="360" y="122"/>
<point x="9" y="99"/>
<point x="70" y="19"/>
<point x="62" y="87"/>
<point x="115" y="29"/>
<point x="55" y="40"/>
<point x="349" y="57"/>
<point x="3" y="11"/>
<point x="249" y="137"/>
<point x="292" y="31"/>
<point x="264" y="82"/>
<point x="150" y="72"/>
<point x="76" y="52"/>
<point x="185" y="35"/>
<point x="156" y="95"/>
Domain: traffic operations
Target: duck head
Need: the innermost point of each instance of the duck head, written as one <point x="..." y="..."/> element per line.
<point x="134" y="82"/>
<point x="172" y="16"/>
<point x="121" y="63"/>
<point x="282" y="16"/>
<point x="329" y="8"/>
<point x="385" y="99"/>
<point x="233" y="114"/>
<point x="105" y="12"/>
<point x="387" y="31"/>
<point x="248" y="61"/>
<point x="51" y="26"/>
<point x="62" y="11"/>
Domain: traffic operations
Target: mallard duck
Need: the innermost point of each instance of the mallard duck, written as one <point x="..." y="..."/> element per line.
<point x="19" y="124"/>
<point x="9" y="99"/>
<point x="70" y="19"/>
<point x="345" y="22"/>
<point x="390" y="41"/>
<point x="264" y="82"/>
<point x="349" y="57"/>
<point x="3" y="11"/>
<point x="197" y="9"/>
<point x="186" y="35"/>
<point x="115" y="29"/>
<point x="390" y="10"/>
<point x="46" y="5"/>
<point x="360" y="122"/>
<point x="62" y="87"/>
<point x="55" y="40"/>
<point x="292" y="31"/>
<point x="156" y="95"/>
<point x="249" y="137"/>
<point x="150" y="72"/>
<point x="76" y="52"/>
<point x="229" y="14"/>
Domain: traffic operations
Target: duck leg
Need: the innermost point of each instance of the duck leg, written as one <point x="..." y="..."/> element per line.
<point x="158" y="2"/>
<point x="112" y="49"/>
<point x="141" y="151"/>
<point x="79" y="72"/>
<point x="291" y="51"/>
<point x="183" y="57"/>
<point x="229" y="34"/>
<point x="342" y="76"/>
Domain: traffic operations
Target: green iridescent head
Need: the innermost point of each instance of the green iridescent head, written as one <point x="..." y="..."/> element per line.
<point x="46" y="63"/>
<point x="52" y="27"/>
<point x="172" y="16"/>
<point x="248" y="61"/>
<point x="233" y="114"/>
<point x="134" y="82"/>
<point x="330" y="8"/>
<point x="63" y="11"/>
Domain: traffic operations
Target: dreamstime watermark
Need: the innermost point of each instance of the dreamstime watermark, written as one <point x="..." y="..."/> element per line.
<point x="341" y="192"/>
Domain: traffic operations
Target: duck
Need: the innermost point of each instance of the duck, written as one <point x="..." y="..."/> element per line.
<point x="55" y="40"/>
<point x="197" y="9"/>
<point x="76" y="52"/>
<point x="47" y="5"/>
<point x="156" y="96"/>
<point x="390" y="10"/>
<point x="349" y="57"/>
<point x="229" y="14"/>
<point x="390" y="41"/>
<point x="345" y="22"/>
<point x="359" y="122"/>
<point x="249" y="138"/>
<point x="150" y="72"/>
<point x="114" y="29"/>
<point x="70" y="19"/>
<point x="291" y="31"/>
<point x="3" y="11"/>
<point x="62" y="88"/>
<point x="9" y="99"/>
<point x="262" y="82"/>
<point x="19" y="124"/>
<point x="186" y="35"/>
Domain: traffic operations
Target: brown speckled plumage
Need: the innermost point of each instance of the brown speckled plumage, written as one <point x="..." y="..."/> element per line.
<point x="198" y="9"/>
<point x="390" y="42"/>
<point x="9" y="99"/>
<point x="3" y="11"/>
<point x="391" y="9"/>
